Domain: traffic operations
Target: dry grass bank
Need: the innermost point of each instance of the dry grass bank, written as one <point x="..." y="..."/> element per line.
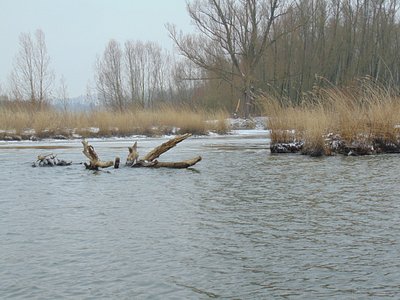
<point x="21" y="120"/>
<point x="368" y="115"/>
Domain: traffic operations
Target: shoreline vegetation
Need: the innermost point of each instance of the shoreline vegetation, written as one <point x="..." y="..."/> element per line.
<point x="359" y="120"/>
<point x="363" y="119"/>
<point x="22" y="121"/>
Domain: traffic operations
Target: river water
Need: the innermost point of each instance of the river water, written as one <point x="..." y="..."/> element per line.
<point x="242" y="224"/>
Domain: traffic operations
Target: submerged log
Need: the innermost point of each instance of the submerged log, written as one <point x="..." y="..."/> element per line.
<point x="178" y="164"/>
<point x="150" y="159"/>
<point x="95" y="163"/>
<point x="50" y="160"/>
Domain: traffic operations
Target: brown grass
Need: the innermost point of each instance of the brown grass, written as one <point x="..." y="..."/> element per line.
<point x="163" y="120"/>
<point x="361" y="114"/>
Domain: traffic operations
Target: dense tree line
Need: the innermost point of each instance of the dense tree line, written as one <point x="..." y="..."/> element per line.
<point x="142" y="75"/>
<point x="239" y="48"/>
<point x="335" y="42"/>
<point x="307" y="43"/>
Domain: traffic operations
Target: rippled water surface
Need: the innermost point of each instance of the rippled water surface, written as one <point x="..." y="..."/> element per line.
<point x="242" y="224"/>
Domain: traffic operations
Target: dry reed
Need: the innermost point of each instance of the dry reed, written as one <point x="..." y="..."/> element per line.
<point x="20" y="120"/>
<point x="360" y="115"/>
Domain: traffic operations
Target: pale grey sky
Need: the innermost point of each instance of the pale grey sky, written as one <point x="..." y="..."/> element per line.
<point x="77" y="31"/>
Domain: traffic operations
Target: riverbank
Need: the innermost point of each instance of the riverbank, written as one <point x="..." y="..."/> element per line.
<point x="23" y="124"/>
<point x="357" y="121"/>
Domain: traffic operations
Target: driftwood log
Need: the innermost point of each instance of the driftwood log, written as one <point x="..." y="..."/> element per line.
<point x="50" y="160"/>
<point x="94" y="161"/>
<point x="150" y="159"/>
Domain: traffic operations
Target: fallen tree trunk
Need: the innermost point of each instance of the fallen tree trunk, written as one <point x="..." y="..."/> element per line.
<point x="95" y="163"/>
<point x="150" y="159"/>
<point x="163" y="164"/>
<point x="178" y="164"/>
<point x="164" y="147"/>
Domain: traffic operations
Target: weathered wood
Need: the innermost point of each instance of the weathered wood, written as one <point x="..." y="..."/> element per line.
<point x="133" y="155"/>
<point x="50" y="160"/>
<point x="146" y="164"/>
<point x="156" y="152"/>
<point x="95" y="163"/>
<point x="150" y="159"/>
<point x="116" y="162"/>
<point x="177" y="165"/>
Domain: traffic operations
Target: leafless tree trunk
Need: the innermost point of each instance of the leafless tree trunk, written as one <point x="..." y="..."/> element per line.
<point x="63" y="93"/>
<point x="146" y="68"/>
<point x="42" y="62"/>
<point x="31" y="78"/>
<point x="3" y="96"/>
<point x="232" y="37"/>
<point x="132" y="53"/>
<point x="109" y="79"/>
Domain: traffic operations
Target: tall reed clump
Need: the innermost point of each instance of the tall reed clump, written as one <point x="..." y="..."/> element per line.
<point x="217" y="122"/>
<point x="382" y="114"/>
<point x="289" y="123"/>
<point x="282" y="120"/>
<point x="161" y="120"/>
<point x="316" y="126"/>
<point x="366" y="114"/>
<point x="17" y="117"/>
<point x="181" y="119"/>
<point x="196" y="121"/>
<point x="14" y="122"/>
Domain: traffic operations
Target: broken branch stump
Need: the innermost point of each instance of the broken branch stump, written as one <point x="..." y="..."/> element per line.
<point x="95" y="163"/>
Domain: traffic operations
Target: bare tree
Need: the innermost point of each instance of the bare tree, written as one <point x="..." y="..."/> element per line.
<point x="155" y="64"/>
<point x="133" y="72"/>
<point x="3" y="97"/>
<point x="232" y="38"/>
<point x="109" y="77"/>
<point x="31" y="78"/>
<point x="63" y="93"/>
<point x="45" y="76"/>
<point x="146" y="72"/>
<point x="136" y="58"/>
<point x="91" y="97"/>
<point x="188" y="80"/>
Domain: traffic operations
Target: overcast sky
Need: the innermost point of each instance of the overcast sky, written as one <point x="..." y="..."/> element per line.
<point x="78" y="30"/>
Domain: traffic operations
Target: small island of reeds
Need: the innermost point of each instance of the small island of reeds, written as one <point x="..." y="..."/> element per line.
<point x="359" y="120"/>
